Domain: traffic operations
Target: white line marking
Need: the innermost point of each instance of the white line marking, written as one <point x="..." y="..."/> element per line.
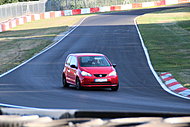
<point x="46" y="49"/>
<point x="185" y="92"/>
<point x="14" y="106"/>
<point x="151" y="67"/>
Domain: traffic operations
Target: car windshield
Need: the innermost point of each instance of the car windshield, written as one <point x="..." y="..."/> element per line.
<point x="93" y="61"/>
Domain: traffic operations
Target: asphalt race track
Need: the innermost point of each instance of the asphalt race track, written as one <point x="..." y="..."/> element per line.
<point x="38" y="83"/>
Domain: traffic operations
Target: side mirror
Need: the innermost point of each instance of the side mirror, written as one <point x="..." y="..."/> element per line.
<point x="73" y="66"/>
<point x="114" y="65"/>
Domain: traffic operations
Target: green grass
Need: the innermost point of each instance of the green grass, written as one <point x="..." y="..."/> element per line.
<point x="167" y="36"/>
<point x="24" y="41"/>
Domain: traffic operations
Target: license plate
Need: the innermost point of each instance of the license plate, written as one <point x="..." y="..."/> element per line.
<point x="101" y="80"/>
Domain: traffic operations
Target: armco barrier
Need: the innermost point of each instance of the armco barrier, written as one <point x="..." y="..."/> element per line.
<point x="169" y="2"/>
<point x="42" y="16"/>
<point x="35" y="17"/>
<point x="25" y="20"/>
<point x="76" y="11"/>
<point x="85" y="11"/>
<point x="28" y="18"/>
<point x="147" y="4"/>
<point x="1" y="29"/>
<point x="13" y="23"/>
<point x="47" y="15"/>
<point x="94" y="10"/>
<point x="115" y="8"/>
<point x="52" y="14"/>
<point x="21" y="21"/>
<point x="17" y="21"/>
<point x="10" y="24"/>
<point x="68" y="12"/>
<point x="160" y="3"/>
<point x="126" y="7"/>
<point x="183" y="1"/>
<point x="105" y="9"/>
<point x="137" y="5"/>
<point x="4" y="26"/>
<point x="59" y="13"/>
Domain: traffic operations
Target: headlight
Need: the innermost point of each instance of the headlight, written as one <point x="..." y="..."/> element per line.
<point x="84" y="73"/>
<point x="113" y="73"/>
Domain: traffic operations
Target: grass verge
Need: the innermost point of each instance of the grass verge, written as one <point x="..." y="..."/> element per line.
<point x="24" y="41"/>
<point x="166" y="34"/>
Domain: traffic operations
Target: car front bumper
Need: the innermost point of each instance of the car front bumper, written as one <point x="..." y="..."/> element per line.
<point x="111" y="81"/>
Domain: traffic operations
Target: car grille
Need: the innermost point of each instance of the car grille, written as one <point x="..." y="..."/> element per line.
<point x="100" y="75"/>
<point x="100" y="83"/>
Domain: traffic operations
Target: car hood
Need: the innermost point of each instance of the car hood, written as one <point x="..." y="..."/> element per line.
<point x="98" y="70"/>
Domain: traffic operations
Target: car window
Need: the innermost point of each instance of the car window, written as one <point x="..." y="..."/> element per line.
<point x="93" y="61"/>
<point x="69" y="60"/>
<point x="74" y="61"/>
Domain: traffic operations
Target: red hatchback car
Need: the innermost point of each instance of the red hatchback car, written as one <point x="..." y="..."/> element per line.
<point x="89" y="70"/>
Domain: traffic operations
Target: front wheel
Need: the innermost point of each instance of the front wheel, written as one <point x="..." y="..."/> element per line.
<point x="115" y="88"/>
<point x="64" y="82"/>
<point x="78" y="86"/>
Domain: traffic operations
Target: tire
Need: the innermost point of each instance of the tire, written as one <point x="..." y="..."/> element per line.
<point x="115" y="88"/>
<point x="78" y="86"/>
<point x="64" y="82"/>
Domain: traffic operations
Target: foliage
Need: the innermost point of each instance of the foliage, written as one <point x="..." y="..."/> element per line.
<point x="13" y="1"/>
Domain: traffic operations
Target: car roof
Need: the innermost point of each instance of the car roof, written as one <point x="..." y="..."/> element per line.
<point x="87" y="54"/>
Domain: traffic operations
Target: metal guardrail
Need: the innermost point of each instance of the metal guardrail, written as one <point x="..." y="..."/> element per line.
<point x="13" y="10"/>
<point x="56" y="5"/>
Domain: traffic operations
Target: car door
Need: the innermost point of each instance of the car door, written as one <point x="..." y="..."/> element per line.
<point x="73" y="70"/>
<point x="67" y="69"/>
